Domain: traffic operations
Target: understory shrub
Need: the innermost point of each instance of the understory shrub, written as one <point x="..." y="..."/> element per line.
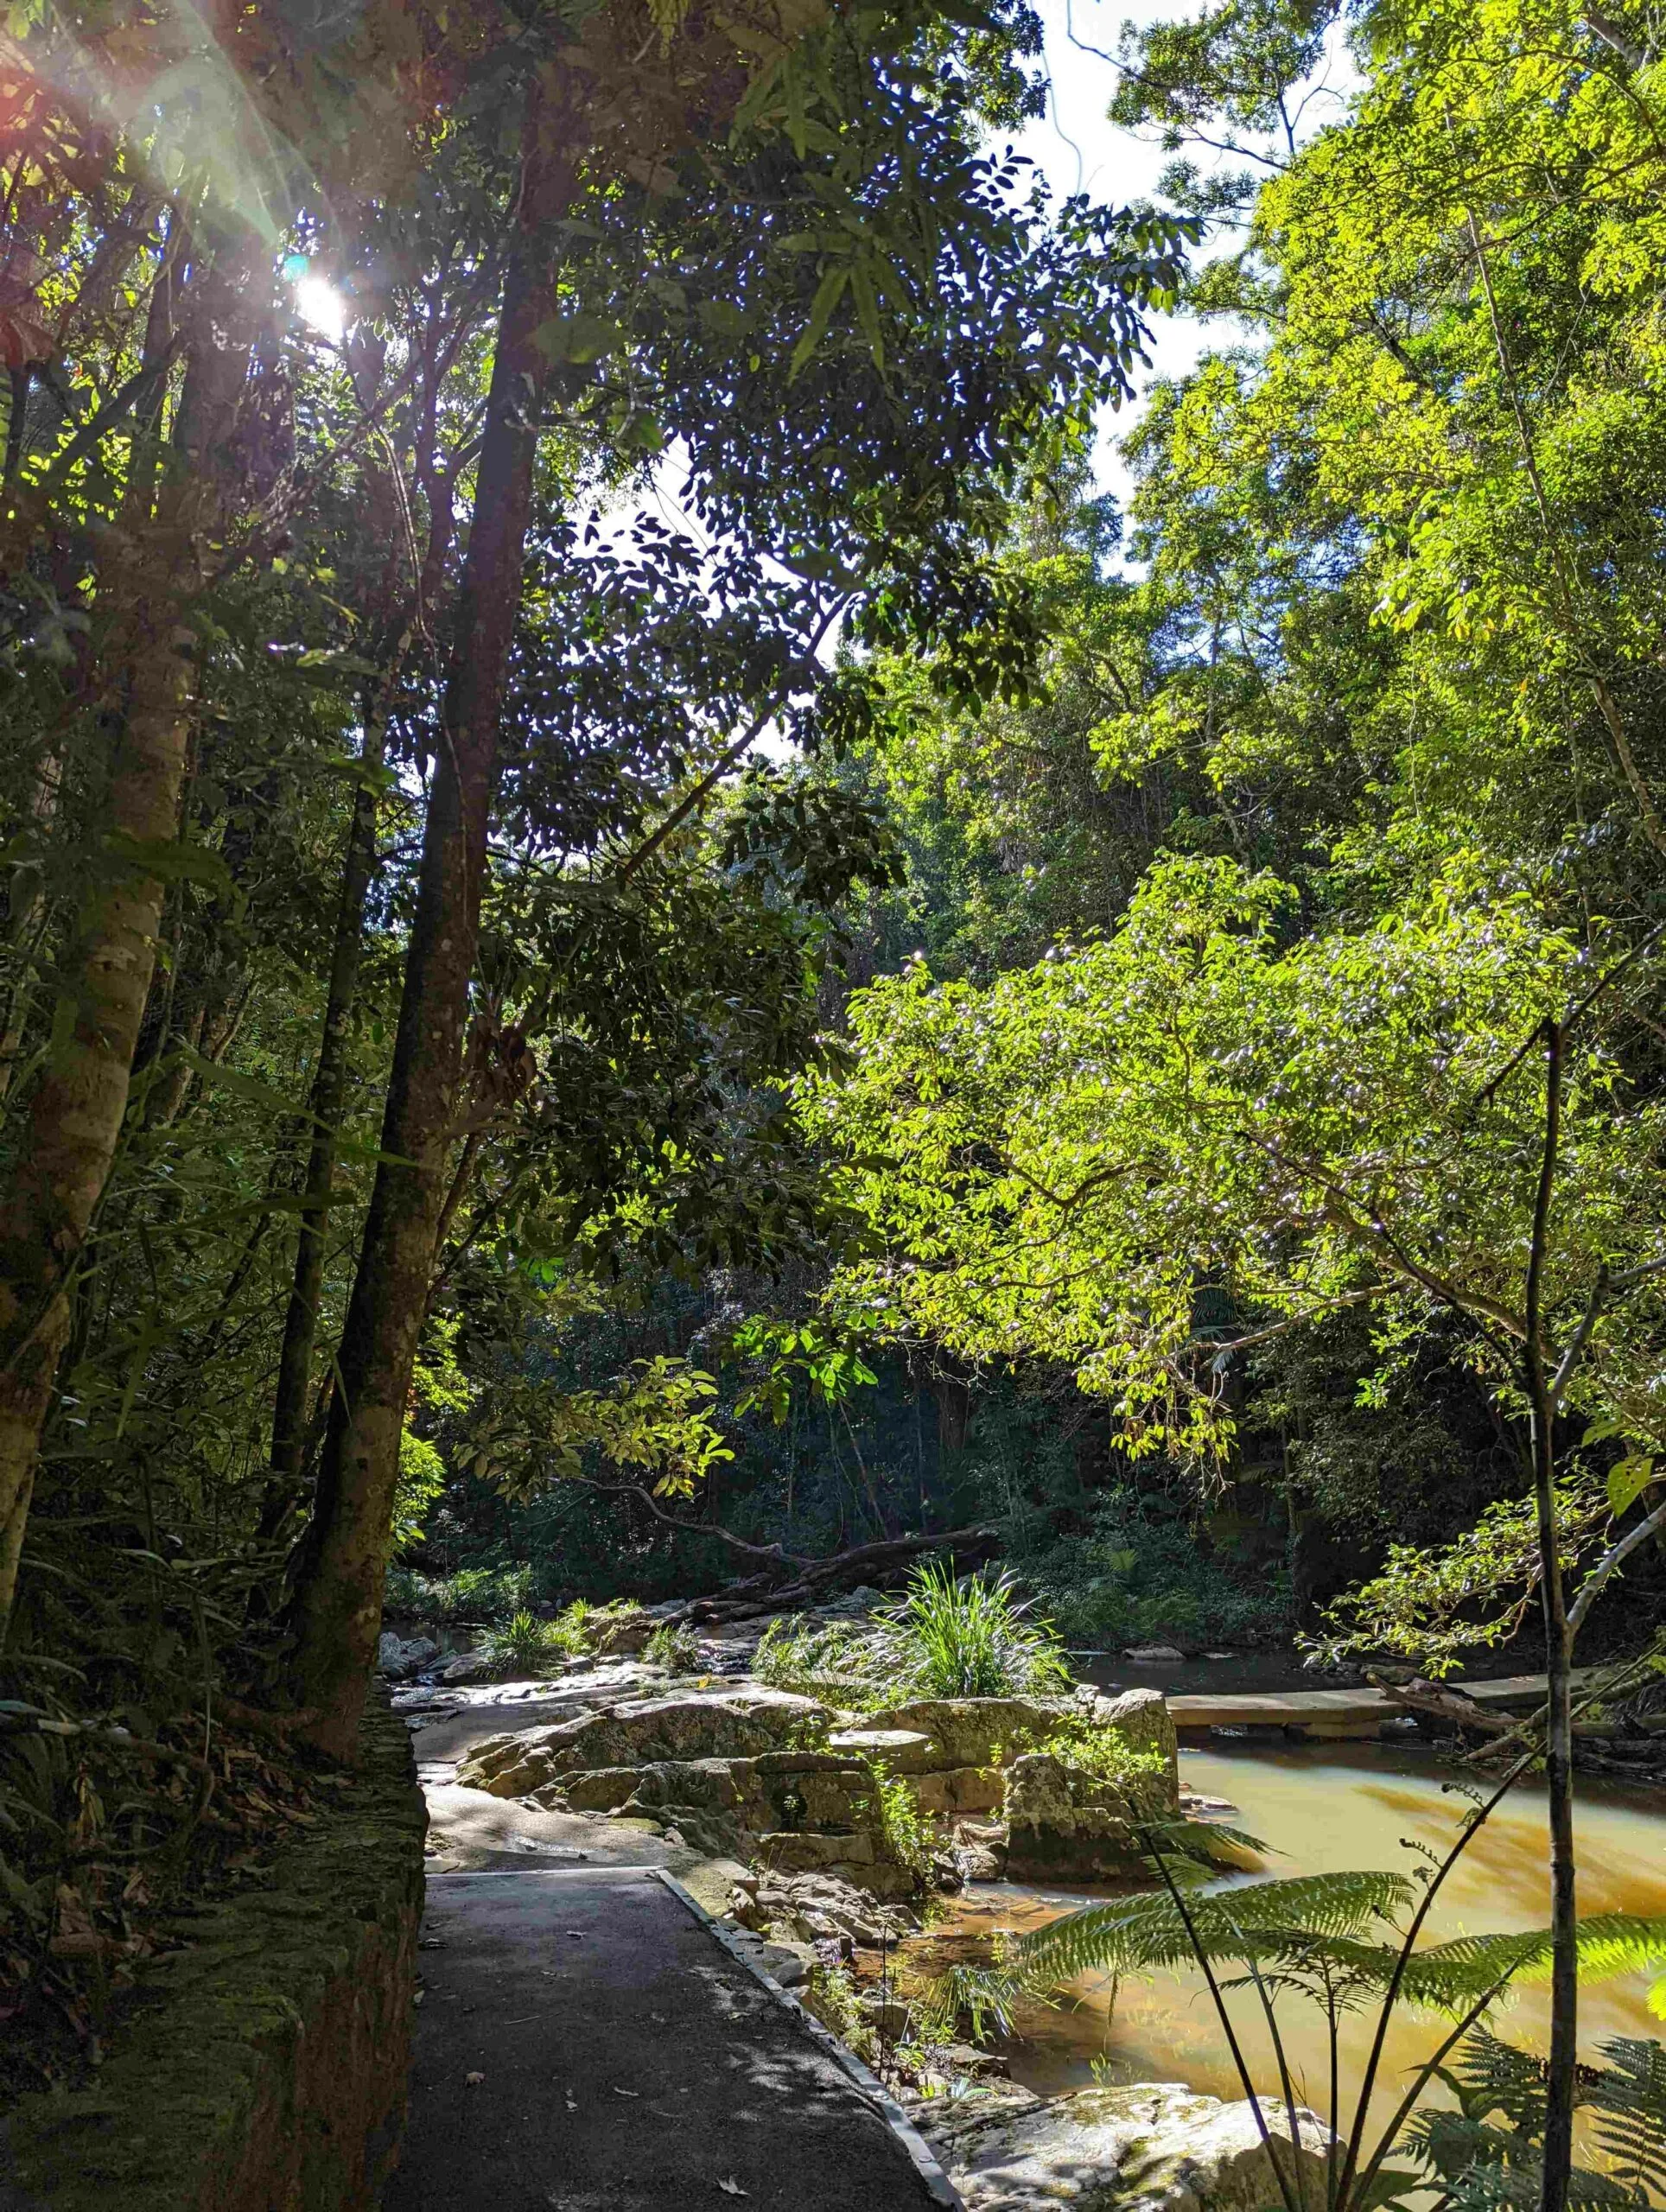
<point x="675" y="1649"/>
<point x="474" y="1595"/>
<point x="1142" y="1574"/>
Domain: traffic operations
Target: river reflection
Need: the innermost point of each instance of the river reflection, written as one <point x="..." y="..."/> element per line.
<point x="1325" y="1810"/>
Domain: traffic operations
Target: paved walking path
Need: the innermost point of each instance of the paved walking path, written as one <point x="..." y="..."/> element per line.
<point x="587" y="2043"/>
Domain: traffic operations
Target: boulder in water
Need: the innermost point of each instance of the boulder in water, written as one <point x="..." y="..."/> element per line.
<point x="397" y="1659"/>
<point x="1066" y="1826"/>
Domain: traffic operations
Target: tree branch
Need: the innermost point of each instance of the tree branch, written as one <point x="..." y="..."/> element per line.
<point x="1591" y="1589"/>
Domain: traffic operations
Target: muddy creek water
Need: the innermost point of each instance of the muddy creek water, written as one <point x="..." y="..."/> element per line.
<point x="1322" y="1810"/>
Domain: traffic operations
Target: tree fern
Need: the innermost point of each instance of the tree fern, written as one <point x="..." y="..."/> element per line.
<point x="1629" y="2107"/>
<point x="1259" y="1920"/>
<point x="1486" y="2167"/>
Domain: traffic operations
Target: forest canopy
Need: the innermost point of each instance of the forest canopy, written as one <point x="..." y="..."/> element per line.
<point x="641" y="936"/>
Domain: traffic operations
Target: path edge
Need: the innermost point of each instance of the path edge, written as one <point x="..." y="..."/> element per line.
<point x="924" y="2159"/>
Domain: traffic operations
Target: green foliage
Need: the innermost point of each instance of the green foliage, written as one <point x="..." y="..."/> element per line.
<point x="472" y="1595"/>
<point x="675" y="1649"/>
<point x="1008" y="1146"/>
<point x="1485" y="2163"/>
<point x="1145" y="1570"/>
<point x="831" y="1995"/>
<point x="421" y="1483"/>
<point x="569" y="1632"/>
<point x="941" y="1639"/>
<point x="835" y="1661"/>
<point x="1139" y="1775"/>
<point x="972" y="1638"/>
<point x="1423" y="1605"/>
<point x="521" y="1643"/>
<point x="655" y="1423"/>
<point x="908" y="1833"/>
<point x="803" y="1354"/>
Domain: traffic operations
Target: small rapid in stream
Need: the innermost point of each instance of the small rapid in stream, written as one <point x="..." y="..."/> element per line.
<point x="1320" y="1809"/>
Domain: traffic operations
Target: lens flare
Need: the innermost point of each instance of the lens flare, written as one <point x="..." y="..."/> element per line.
<point x="320" y="307"/>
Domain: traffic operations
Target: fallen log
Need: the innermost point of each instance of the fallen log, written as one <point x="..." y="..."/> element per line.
<point x="1445" y="1701"/>
<point x="744" y="1601"/>
<point x="974" y="1546"/>
<point x="1442" y="1702"/>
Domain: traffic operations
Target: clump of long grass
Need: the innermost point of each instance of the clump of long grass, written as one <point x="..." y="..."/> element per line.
<point x="941" y="1639"/>
<point x="974" y="1638"/>
<point x="521" y="1643"/>
<point x="675" y="1649"/>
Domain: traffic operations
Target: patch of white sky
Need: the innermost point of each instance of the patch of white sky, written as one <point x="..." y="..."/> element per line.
<point x="1078" y="148"/>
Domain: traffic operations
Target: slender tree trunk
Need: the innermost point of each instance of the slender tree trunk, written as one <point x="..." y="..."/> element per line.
<point x="328" y="1090"/>
<point x="1559" y="1733"/>
<point x="27" y="894"/>
<point x="76" y="1111"/>
<point x="337" y="1610"/>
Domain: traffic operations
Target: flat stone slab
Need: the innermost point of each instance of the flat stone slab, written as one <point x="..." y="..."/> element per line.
<point x="1340" y="1712"/>
<point x="879" y="1743"/>
<point x="586" y="2043"/>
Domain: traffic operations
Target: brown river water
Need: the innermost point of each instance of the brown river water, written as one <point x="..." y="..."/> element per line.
<point x="1323" y="1810"/>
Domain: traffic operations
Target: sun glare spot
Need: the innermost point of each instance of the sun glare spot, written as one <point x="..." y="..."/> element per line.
<point x="320" y="306"/>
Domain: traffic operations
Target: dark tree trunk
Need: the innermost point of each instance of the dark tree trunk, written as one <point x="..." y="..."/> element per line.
<point x="337" y="1609"/>
<point x="329" y="1085"/>
<point x="954" y="1408"/>
<point x="1559" y="1720"/>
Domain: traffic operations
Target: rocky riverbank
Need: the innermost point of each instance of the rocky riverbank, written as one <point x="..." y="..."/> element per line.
<point x="1153" y="2147"/>
<point x="824" y="1835"/>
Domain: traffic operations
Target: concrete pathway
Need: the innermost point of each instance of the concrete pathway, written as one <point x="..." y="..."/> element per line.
<point x="587" y="2043"/>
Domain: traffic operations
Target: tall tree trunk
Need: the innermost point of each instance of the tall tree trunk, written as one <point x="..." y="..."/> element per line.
<point x="337" y="1610"/>
<point x="1559" y="1732"/>
<point x="27" y="896"/>
<point x="328" y="1090"/>
<point x="76" y="1112"/>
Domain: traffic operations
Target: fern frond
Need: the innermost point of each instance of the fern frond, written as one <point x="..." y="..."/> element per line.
<point x="1201" y="1840"/>
<point x="1610" y="1943"/>
<point x="1628" y="2105"/>
<point x="1261" y="1920"/>
<point x="1492" y="2076"/>
<point x="1516" y="2189"/>
<point x="1452" y="2143"/>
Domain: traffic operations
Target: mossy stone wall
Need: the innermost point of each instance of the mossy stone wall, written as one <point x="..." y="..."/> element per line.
<point x="267" y="2072"/>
